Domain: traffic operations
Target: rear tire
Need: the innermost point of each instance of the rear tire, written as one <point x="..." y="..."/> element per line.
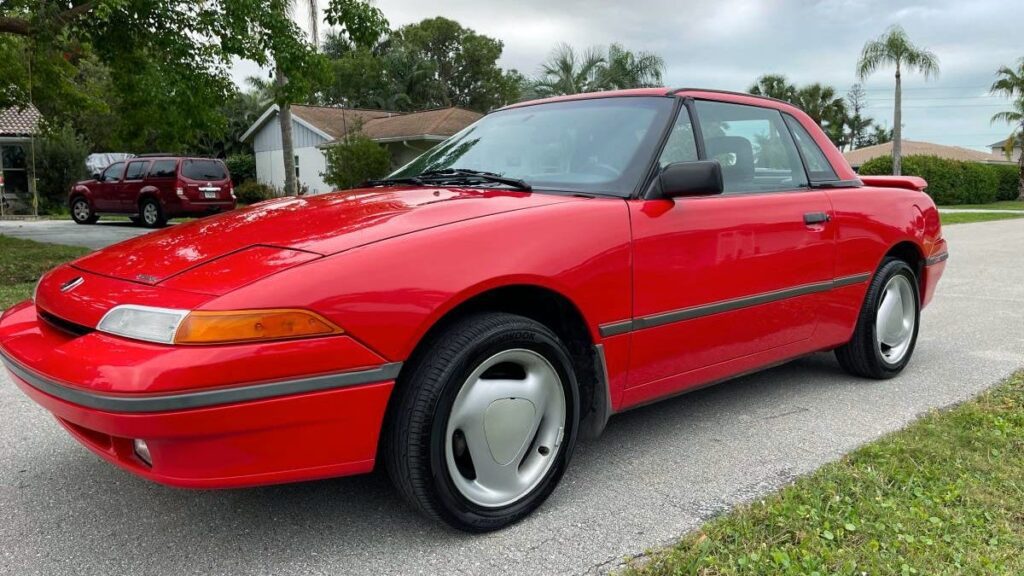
<point x="82" y="212"/>
<point x="484" y="422"/>
<point x="887" y="327"/>
<point x="151" y="215"/>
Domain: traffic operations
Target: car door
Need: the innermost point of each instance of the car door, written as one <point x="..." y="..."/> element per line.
<point x="134" y="178"/>
<point x="105" y="198"/>
<point x="728" y="281"/>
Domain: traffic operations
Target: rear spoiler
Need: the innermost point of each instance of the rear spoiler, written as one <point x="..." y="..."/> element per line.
<point x="908" y="182"/>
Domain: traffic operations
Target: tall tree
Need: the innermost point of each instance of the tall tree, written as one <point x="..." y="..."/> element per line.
<point x="464" y="64"/>
<point x="1010" y="83"/>
<point x="774" y="86"/>
<point x="894" y="48"/>
<point x="857" y="124"/>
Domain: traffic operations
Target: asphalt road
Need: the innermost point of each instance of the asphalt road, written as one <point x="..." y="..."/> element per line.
<point x="95" y="236"/>
<point x="657" y="472"/>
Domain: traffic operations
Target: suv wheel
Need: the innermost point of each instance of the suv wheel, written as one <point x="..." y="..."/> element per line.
<point x="82" y="212"/>
<point x="484" y="423"/>
<point x="150" y="213"/>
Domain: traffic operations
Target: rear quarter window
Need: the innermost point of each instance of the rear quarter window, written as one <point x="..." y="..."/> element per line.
<point x="164" y="169"/>
<point x="203" y="170"/>
<point x="818" y="166"/>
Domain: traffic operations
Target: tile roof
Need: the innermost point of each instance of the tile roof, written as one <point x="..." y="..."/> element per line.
<point x="442" y="122"/>
<point x="337" y="121"/>
<point x="914" y="148"/>
<point x="19" y="121"/>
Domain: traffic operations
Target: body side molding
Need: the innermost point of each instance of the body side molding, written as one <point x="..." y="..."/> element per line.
<point x="662" y="318"/>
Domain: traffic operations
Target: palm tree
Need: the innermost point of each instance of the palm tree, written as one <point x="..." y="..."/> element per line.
<point x="1011" y="85"/>
<point x="774" y="86"/>
<point x="827" y="109"/>
<point x="625" y="69"/>
<point x="570" y="72"/>
<point x="895" y="48"/>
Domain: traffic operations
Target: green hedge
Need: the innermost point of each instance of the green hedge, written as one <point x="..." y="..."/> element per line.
<point x="251" y="192"/>
<point x="1009" y="181"/>
<point x="952" y="181"/>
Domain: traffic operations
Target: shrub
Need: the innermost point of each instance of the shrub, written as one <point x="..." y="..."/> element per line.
<point x="251" y="192"/>
<point x="355" y="160"/>
<point x="60" y="162"/>
<point x="242" y="167"/>
<point x="1009" y="181"/>
<point x="949" y="181"/>
<point x="980" y="184"/>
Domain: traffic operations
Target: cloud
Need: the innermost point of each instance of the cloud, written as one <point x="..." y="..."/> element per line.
<point x="728" y="43"/>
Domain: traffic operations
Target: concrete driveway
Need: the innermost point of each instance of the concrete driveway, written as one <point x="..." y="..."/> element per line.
<point x="95" y="236"/>
<point x="657" y="472"/>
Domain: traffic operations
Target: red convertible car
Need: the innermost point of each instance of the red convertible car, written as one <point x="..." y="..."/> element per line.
<point x="466" y="320"/>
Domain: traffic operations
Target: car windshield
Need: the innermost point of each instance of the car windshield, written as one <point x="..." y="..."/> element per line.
<point x="595" y="146"/>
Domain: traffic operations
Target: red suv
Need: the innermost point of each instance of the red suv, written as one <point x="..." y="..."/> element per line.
<point x="153" y="189"/>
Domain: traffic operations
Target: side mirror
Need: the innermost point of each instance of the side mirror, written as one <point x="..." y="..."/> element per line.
<point x="699" y="178"/>
<point x="96" y="175"/>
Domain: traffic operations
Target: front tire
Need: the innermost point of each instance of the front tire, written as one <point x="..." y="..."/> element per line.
<point x="82" y="212"/>
<point x="484" y="422"/>
<point x="886" y="331"/>
<point x="151" y="215"/>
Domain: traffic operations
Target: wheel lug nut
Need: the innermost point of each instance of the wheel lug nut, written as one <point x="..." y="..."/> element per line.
<point x="544" y="450"/>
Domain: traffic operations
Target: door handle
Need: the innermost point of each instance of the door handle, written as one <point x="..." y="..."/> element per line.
<point x="816" y="218"/>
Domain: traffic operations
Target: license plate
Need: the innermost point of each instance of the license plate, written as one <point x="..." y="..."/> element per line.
<point x="209" y="195"/>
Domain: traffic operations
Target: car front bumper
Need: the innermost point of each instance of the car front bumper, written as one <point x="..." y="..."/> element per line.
<point x="202" y="433"/>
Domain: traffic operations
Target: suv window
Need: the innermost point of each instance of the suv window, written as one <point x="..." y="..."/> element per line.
<point x="817" y="165"/>
<point x="135" y="170"/>
<point x="163" y="169"/>
<point x="681" y="145"/>
<point x="753" y="145"/>
<point x="113" y="172"/>
<point x="203" y="170"/>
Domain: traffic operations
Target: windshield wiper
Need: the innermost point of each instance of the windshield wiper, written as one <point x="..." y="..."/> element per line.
<point x="466" y="173"/>
<point x="453" y="176"/>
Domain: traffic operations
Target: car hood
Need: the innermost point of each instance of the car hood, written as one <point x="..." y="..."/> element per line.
<point x="315" y="225"/>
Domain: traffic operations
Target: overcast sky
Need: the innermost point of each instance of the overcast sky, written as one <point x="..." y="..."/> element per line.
<point x="726" y="44"/>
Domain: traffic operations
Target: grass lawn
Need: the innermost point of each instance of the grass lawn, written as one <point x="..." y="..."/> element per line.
<point x="22" y="262"/>
<point x="1001" y="205"/>
<point x="943" y="496"/>
<point x="967" y="217"/>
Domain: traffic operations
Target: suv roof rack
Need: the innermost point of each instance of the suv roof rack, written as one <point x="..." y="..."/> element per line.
<point x="157" y="155"/>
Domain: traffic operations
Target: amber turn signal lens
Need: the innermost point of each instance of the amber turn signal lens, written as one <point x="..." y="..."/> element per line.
<point x="252" y="325"/>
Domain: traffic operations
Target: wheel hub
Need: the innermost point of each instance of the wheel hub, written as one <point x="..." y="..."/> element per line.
<point x="507" y="426"/>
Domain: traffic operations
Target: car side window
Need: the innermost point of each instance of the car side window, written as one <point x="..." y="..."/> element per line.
<point x="135" y="170"/>
<point x="817" y="164"/>
<point x="163" y="169"/>
<point x="753" y="145"/>
<point x="681" y="145"/>
<point x="113" y="172"/>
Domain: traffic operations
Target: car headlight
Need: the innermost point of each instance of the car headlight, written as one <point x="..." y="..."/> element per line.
<point x="143" y="323"/>
<point x="169" y="326"/>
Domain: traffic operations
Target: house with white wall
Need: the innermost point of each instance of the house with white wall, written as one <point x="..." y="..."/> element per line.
<point x="405" y="135"/>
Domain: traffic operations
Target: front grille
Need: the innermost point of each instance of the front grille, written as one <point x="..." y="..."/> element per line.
<point x="62" y="324"/>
